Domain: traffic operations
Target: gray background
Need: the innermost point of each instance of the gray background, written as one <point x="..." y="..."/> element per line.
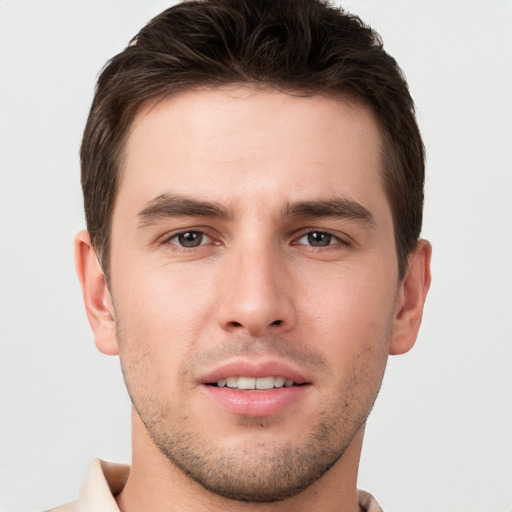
<point x="440" y="437"/>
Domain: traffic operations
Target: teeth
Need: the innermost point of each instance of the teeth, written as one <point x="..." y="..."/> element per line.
<point x="232" y="382"/>
<point x="254" y="383"/>
<point x="265" y="382"/>
<point x="279" y="382"/>
<point x="246" y="383"/>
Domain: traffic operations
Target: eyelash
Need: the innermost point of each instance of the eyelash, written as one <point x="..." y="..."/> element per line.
<point x="335" y="240"/>
<point x="338" y="240"/>
<point x="201" y="233"/>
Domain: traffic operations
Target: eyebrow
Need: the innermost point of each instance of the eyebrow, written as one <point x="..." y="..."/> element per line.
<point x="168" y="205"/>
<point x="339" y="207"/>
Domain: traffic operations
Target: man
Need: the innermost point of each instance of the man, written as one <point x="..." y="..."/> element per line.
<point x="253" y="186"/>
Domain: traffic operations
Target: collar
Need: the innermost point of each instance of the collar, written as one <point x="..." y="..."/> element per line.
<point x="106" y="479"/>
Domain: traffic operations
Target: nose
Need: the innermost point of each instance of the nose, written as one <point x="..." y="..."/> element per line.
<point x="256" y="294"/>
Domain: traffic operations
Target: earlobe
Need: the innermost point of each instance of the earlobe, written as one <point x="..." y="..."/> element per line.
<point x="411" y="299"/>
<point x="97" y="299"/>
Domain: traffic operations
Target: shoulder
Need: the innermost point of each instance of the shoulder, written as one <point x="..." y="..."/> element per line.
<point x="69" y="507"/>
<point x="367" y="503"/>
<point x="103" y="482"/>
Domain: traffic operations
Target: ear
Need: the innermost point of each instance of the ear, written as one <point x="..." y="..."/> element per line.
<point x="97" y="299"/>
<point x="410" y="300"/>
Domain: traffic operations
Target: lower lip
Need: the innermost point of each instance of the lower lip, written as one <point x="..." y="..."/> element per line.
<point x="257" y="403"/>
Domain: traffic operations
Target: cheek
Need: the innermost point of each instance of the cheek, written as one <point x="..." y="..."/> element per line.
<point x="352" y="290"/>
<point x="352" y="313"/>
<point x="160" y="318"/>
<point x="165" y="303"/>
<point x="356" y="332"/>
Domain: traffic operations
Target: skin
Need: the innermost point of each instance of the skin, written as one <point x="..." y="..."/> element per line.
<point x="276" y="276"/>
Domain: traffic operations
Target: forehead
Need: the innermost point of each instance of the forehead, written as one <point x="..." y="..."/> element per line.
<point x="234" y="143"/>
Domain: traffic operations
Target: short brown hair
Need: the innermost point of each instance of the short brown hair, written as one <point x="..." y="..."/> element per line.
<point x="302" y="46"/>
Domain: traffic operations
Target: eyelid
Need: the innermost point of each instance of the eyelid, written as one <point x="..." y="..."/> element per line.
<point x="341" y="238"/>
<point x="204" y="240"/>
<point x="169" y="236"/>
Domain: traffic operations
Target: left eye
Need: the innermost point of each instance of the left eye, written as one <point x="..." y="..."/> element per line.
<point x="318" y="239"/>
<point x="190" y="239"/>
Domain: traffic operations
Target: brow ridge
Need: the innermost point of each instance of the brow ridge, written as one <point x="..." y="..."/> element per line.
<point x="175" y="205"/>
<point x="338" y="207"/>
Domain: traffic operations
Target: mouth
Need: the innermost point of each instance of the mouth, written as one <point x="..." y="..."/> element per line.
<point x="256" y="389"/>
<point x="244" y="374"/>
<point x="254" y="383"/>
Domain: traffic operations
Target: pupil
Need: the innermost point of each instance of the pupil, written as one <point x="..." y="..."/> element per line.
<point x="319" y="239"/>
<point x="190" y="239"/>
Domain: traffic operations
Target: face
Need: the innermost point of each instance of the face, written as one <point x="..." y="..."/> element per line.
<point x="253" y="283"/>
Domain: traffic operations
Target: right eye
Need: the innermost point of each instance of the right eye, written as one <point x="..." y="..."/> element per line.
<point x="189" y="239"/>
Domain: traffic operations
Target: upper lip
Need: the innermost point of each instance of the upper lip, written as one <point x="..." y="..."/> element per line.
<point x="247" y="368"/>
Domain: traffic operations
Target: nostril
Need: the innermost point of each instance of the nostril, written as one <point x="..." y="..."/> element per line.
<point x="255" y="327"/>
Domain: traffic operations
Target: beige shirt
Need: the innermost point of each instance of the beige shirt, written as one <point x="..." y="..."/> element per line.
<point x="106" y="479"/>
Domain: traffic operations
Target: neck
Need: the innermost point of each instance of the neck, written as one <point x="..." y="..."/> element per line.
<point x="156" y="484"/>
